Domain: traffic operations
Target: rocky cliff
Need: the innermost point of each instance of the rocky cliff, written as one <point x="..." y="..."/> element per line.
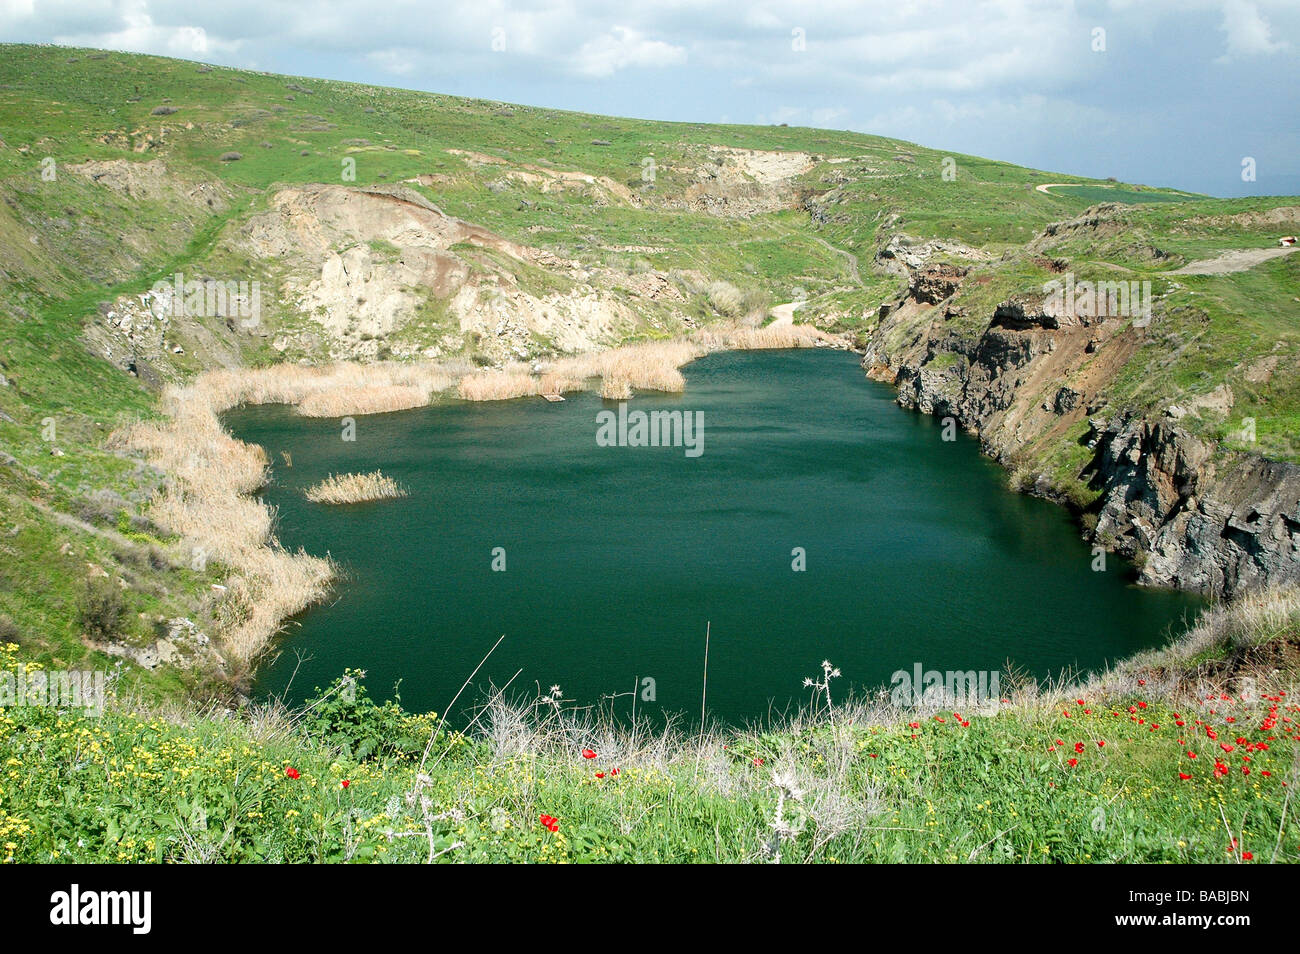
<point x="1033" y="383"/>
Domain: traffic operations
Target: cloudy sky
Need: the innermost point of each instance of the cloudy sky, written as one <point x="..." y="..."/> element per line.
<point x="1167" y="92"/>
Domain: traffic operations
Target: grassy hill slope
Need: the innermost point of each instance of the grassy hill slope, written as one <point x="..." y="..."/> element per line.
<point x="538" y="235"/>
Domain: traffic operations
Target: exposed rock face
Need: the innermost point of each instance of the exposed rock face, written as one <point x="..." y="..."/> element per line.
<point x="934" y="283"/>
<point x="1191" y="515"/>
<point x="743" y="182"/>
<point x="903" y="254"/>
<point x="151" y="181"/>
<point x="1204" y="526"/>
<point x="365" y="261"/>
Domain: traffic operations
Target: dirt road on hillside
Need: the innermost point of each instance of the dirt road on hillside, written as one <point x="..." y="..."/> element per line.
<point x="783" y="315"/>
<point x="1237" y="260"/>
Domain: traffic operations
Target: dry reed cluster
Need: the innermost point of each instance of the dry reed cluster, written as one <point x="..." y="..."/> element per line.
<point x="647" y="366"/>
<point x="206" y="501"/>
<point x="354" y="488"/>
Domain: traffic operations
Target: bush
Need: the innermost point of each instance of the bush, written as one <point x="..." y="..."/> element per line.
<point x="102" y="610"/>
<point x="755" y="301"/>
<point x="162" y="110"/>
<point x="100" y="508"/>
<point x="725" y="299"/>
<point x="231" y="156"/>
<point x="345" y="717"/>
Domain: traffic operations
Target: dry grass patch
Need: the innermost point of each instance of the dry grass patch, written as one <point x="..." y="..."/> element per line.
<point x="736" y="338"/>
<point x="355" y="488"/>
<point x="498" y="385"/>
<point x="361" y="400"/>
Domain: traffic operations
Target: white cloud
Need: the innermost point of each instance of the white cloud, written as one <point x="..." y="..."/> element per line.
<point x="394" y="60"/>
<point x="624" y="47"/>
<point x="1248" y="34"/>
<point x="139" y="33"/>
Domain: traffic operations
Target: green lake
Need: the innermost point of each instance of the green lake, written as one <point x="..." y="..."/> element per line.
<point x="616" y="557"/>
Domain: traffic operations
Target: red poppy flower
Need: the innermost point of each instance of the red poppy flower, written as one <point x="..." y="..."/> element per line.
<point x="1078" y="747"/>
<point x="758" y="761"/>
<point x="346" y="783"/>
<point x="291" y="772"/>
<point x="600" y="775"/>
<point x="614" y="770"/>
<point x="588" y="754"/>
<point x="1247" y="856"/>
<point x="1101" y="743"/>
<point x="1073" y="762"/>
<point x="1184" y="776"/>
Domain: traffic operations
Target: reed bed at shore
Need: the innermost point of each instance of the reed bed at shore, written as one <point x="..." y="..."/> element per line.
<point x="644" y="366"/>
<point x="354" y="488"/>
<point x="498" y="385"/>
<point x="207" y="499"/>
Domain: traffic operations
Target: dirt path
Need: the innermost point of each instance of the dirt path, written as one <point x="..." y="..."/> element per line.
<point x="850" y="259"/>
<point x="783" y="315"/>
<point x="1052" y="185"/>
<point x="1237" y="260"/>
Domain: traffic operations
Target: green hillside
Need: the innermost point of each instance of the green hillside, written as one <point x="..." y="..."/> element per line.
<point x="384" y="227"/>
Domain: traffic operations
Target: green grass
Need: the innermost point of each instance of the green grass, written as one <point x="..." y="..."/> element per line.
<point x="133" y="786"/>
<point x="1094" y="194"/>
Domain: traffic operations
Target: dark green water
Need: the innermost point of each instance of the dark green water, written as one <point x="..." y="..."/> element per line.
<point x="617" y="556"/>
